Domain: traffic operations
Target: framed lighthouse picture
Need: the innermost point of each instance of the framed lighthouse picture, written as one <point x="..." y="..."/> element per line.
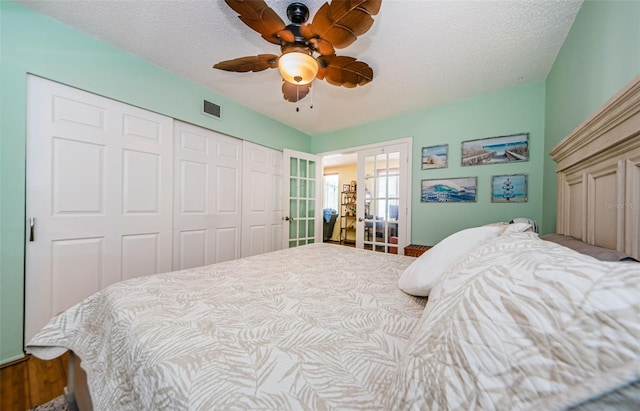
<point x="509" y="188"/>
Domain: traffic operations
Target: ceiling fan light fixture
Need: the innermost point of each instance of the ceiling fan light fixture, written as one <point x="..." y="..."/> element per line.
<point x="297" y="66"/>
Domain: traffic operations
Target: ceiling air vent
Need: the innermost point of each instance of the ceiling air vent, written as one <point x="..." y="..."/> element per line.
<point x="212" y="109"/>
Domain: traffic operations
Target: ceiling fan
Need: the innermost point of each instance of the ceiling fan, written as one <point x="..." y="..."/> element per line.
<point x="335" y="25"/>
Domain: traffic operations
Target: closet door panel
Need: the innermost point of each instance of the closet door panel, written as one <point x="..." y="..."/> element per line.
<point x="226" y="240"/>
<point x="66" y="257"/>
<point x="99" y="195"/>
<point x="134" y="246"/>
<point x="192" y="245"/>
<point x="207" y="213"/>
<point x="78" y="177"/>
<point x="193" y="198"/>
<point x="141" y="183"/>
<point x="146" y="131"/>
<point x="261" y="199"/>
<point x="227" y="184"/>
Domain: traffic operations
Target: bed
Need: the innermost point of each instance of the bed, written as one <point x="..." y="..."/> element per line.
<point x="492" y="317"/>
<point x="319" y="320"/>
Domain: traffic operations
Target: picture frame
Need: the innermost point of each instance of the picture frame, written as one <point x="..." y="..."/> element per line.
<point x="509" y="188"/>
<point x="435" y="156"/>
<point x="346" y="188"/>
<point x="494" y="150"/>
<point x="449" y="190"/>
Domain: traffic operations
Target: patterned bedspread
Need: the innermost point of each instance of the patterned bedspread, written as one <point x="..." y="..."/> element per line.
<point x="525" y="324"/>
<point x="313" y="327"/>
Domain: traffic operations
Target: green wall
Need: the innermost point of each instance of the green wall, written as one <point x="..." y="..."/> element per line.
<point x="601" y="55"/>
<point x="512" y="111"/>
<point x="33" y="43"/>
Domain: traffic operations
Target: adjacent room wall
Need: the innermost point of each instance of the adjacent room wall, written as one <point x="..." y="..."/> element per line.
<point x="33" y="43"/>
<point x="600" y="56"/>
<point x="347" y="174"/>
<point x="512" y="111"/>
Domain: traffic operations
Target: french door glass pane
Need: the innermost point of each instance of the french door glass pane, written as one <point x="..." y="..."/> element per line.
<point x="311" y="212"/>
<point x="312" y="170"/>
<point x="303" y="188"/>
<point x="310" y="226"/>
<point x="293" y="229"/>
<point x="303" y="228"/>
<point x="303" y="209"/>
<point x="303" y="169"/>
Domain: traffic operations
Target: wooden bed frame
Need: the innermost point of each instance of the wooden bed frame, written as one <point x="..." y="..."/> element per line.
<point x="599" y="176"/>
<point x="598" y="192"/>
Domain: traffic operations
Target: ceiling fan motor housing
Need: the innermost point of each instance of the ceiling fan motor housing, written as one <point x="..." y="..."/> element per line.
<point x="297" y="13"/>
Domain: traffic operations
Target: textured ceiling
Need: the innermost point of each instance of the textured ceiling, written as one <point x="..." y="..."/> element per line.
<point x="424" y="53"/>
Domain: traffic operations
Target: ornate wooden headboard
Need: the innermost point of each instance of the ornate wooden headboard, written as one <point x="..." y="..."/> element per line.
<point x="598" y="168"/>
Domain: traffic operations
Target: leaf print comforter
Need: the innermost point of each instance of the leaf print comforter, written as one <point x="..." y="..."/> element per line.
<point x="525" y="324"/>
<point x="314" y="327"/>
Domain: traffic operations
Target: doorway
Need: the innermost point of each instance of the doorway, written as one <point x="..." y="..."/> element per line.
<point x="343" y="167"/>
<point x="374" y="209"/>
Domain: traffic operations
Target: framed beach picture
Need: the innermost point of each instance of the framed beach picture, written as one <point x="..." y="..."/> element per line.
<point x="509" y="188"/>
<point x="435" y="156"/>
<point x="493" y="150"/>
<point x="449" y="190"/>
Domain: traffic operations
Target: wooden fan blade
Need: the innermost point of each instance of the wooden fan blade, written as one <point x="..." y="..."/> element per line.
<point x="344" y="71"/>
<point x="260" y="17"/>
<point x="322" y="46"/>
<point x="306" y="30"/>
<point x="294" y="92"/>
<point x="249" y="63"/>
<point x="286" y="36"/>
<point x="341" y="22"/>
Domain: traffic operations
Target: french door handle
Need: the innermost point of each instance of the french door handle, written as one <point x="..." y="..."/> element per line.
<point x="287" y="218"/>
<point x="360" y="219"/>
<point x="32" y="225"/>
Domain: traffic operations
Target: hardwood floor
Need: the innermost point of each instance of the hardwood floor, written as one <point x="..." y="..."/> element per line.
<point x="25" y="384"/>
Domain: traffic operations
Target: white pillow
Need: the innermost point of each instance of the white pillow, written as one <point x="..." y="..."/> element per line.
<point x="419" y="278"/>
<point x="519" y="228"/>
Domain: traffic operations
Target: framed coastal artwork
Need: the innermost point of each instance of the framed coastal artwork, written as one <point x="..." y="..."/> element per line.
<point x="435" y="156"/>
<point x="509" y="188"/>
<point x="449" y="190"/>
<point x="493" y="150"/>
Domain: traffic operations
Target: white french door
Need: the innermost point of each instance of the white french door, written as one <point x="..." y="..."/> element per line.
<point x="383" y="198"/>
<point x="207" y="208"/>
<point x="99" y="191"/>
<point x="301" y="208"/>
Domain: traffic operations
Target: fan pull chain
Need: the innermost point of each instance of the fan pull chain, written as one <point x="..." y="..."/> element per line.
<point x="297" y="98"/>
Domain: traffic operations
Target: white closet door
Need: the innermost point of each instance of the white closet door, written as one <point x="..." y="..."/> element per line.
<point x="99" y="191"/>
<point x="207" y="207"/>
<point x="261" y="199"/>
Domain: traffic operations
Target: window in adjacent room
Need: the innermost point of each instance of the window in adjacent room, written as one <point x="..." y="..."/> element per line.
<point x="331" y="194"/>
